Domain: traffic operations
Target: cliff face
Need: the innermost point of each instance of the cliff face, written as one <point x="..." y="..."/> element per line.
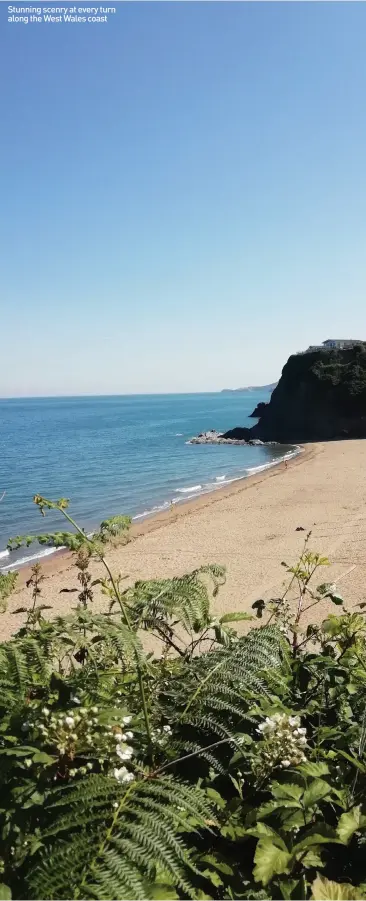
<point x="259" y="410"/>
<point x="321" y="396"/>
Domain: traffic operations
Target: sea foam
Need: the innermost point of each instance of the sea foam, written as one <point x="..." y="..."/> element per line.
<point x="22" y="561"/>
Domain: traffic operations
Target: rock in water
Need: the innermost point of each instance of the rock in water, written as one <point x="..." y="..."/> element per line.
<point x="214" y="437"/>
<point x="211" y="437"/>
<point x="240" y="433"/>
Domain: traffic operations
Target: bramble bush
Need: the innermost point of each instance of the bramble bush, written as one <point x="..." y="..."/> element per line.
<point x="219" y="766"/>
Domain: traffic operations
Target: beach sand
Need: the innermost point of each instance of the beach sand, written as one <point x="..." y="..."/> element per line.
<point x="250" y="527"/>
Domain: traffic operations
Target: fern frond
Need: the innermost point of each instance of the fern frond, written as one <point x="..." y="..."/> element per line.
<point x="116" y="878"/>
<point x="186" y="599"/>
<point x="104" y="841"/>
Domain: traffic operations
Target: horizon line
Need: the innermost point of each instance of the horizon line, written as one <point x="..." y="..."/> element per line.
<point x="126" y="394"/>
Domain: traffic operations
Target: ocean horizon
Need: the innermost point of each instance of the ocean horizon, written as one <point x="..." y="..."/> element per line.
<point x="112" y="454"/>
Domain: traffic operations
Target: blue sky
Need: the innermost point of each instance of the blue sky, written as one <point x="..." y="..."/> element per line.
<point x="183" y="194"/>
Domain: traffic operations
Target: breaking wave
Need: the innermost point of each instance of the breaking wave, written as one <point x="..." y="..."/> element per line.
<point x="22" y="561"/>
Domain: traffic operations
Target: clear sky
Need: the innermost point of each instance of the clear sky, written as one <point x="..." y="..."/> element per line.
<point x="183" y="194"/>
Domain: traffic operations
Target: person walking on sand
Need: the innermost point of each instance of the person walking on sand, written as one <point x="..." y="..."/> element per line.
<point x="285" y="464"/>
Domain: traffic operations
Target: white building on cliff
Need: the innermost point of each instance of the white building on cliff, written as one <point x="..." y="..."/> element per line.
<point x="333" y="344"/>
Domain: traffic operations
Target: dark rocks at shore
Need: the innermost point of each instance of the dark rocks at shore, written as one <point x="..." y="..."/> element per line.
<point x="235" y="436"/>
<point x="210" y="437"/>
<point x="239" y="434"/>
<point x="259" y="410"/>
<point x="214" y="437"/>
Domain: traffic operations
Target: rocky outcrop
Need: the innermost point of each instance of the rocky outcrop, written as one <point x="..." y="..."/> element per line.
<point x="259" y="410"/>
<point x="213" y="437"/>
<point x="321" y="396"/>
<point x="239" y="434"/>
<point x="235" y="436"/>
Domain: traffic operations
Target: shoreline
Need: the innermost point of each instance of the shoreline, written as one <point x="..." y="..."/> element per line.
<point x="50" y="555"/>
<point x="249" y="527"/>
<point x="61" y="561"/>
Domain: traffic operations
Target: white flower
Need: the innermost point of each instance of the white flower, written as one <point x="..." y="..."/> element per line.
<point x="75" y="700"/>
<point x="94" y="709"/>
<point x="122" y="774"/>
<point x="294" y="721"/>
<point x="167" y="729"/>
<point x="124" y="753"/>
<point x="25" y="727"/>
<point x="69" y="721"/>
<point x="285" y="762"/>
<point x="115" y="804"/>
<point x="118" y="736"/>
<point x="126" y="720"/>
<point x="128" y="735"/>
<point x="45" y="711"/>
<point x="269" y="726"/>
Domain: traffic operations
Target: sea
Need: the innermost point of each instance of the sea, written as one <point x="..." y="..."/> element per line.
<point x="118" y="454"/>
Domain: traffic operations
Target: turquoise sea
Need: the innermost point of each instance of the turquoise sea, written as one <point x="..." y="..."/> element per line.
<point x="120" y="454"/>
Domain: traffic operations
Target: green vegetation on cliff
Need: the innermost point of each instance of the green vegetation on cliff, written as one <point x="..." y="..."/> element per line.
<point x="344" y="368"/>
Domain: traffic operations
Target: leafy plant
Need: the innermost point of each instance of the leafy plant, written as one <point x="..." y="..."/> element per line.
<point x="7" y="585"/>
<point x="218" y="766"/>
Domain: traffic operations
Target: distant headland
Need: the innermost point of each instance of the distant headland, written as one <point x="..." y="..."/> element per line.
<point x="250" y="388"/>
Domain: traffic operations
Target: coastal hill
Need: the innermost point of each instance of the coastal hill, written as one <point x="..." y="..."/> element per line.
<point x="250" y="388"/>
<point x="321" y="396"/>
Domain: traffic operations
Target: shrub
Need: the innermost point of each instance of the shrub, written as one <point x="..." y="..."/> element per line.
<point x="221" y="766"/>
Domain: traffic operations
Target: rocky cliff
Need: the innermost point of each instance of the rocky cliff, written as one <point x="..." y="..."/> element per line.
<point x="259" y="410"/>
<point x="321" y="396"/>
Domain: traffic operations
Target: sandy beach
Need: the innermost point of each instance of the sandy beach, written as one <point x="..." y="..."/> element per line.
<point x="250" y="527"/>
